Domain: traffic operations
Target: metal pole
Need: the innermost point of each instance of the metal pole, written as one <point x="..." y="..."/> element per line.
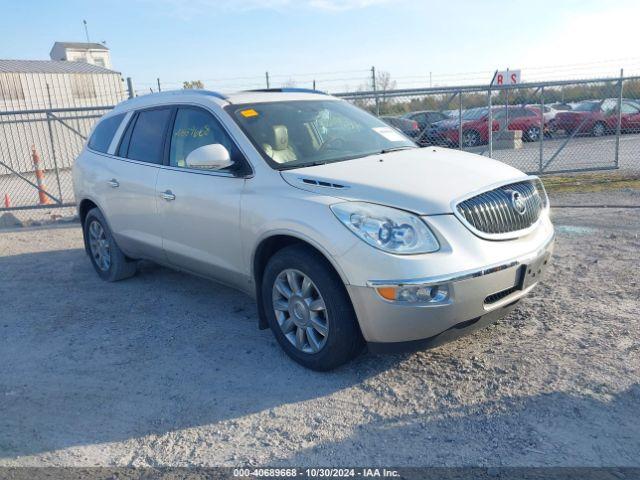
<point x="541" y="129"/>
<point x="130" y="87"/>
<point x="266" y="76"/>
<point x="375" y="92"/>
<point x="506" y="104"/>
<point x="430" y="82"/>
<point x="53" y="147"/>
<point x="314" y="84"/>
<point x="490" y="118"/>
<point x="460" y="120"/>
<point x="490" y="115"/>
<point x="619" y="125"/>
<point x="159" y="89"/>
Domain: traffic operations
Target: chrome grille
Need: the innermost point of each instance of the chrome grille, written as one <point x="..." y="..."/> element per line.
<point x="494" y="212"/>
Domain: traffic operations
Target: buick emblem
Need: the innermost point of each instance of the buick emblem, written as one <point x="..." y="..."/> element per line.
<point x="517" y="202"/>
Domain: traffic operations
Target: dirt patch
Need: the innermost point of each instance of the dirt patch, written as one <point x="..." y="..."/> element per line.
<point x="168" y="369"/>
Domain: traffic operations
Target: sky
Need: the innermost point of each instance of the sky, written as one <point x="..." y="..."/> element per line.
<point x="230" y="44"/>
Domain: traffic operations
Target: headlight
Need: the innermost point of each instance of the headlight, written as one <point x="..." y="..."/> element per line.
<point x="388" y="229"/>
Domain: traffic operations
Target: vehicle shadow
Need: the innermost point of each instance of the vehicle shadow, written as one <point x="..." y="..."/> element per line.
<point x="553" y="429"/>
<point x="86" y="362"/>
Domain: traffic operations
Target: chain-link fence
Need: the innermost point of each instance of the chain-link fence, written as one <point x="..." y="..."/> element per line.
<point x="44" y="122"/>
<point x="541" y="128"/>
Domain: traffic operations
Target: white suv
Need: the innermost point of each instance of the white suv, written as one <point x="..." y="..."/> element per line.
<point x="343" y="229"/>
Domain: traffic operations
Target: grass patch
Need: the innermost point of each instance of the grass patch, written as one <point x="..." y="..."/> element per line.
<point x="591" y="182"/>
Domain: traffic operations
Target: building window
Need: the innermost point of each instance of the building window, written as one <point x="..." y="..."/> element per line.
<point x="11" y="87"/>
<point x="99" y="62"/>
<point x="82" y="86"/>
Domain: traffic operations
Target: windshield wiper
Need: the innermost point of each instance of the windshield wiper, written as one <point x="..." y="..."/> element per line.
<point x="395" y="149"/>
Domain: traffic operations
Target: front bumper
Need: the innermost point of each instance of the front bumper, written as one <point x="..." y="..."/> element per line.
<point x="476" y="297"/>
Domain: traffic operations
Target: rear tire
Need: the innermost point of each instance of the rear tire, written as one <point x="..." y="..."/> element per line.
<point x="323" y="336"/>
<point x="106" y="257"/>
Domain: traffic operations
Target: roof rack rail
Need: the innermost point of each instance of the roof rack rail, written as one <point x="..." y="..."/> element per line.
<point x="288" y="90"/>
<point x="210" y="93"/>
<point x="201" y="91"/>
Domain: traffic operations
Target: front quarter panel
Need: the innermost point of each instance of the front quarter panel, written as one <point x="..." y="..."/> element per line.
<point x="279" y="209"/>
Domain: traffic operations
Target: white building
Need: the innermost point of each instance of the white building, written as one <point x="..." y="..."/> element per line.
<point x="61" y="101"/>
<point x="92" y="53"/>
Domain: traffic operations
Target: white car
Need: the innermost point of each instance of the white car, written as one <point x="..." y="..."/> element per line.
<point x="344" y="231"/>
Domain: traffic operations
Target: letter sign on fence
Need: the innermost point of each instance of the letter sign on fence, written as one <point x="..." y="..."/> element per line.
<point x="506" y="77"/>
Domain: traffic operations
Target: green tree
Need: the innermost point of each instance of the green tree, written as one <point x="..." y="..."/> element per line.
<point x="197" y="84"/>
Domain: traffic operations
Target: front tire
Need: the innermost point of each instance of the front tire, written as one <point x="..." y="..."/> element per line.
<point x="106" y="257"/>
<point x="532" y="134"/>
<point x="470" y="138"/>
<point x="309" y="310"/>
<point x="599" y="129"/>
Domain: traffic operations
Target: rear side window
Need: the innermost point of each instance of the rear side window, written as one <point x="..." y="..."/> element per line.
<point x="146" y="142"/>
<point x="104" y="132"/>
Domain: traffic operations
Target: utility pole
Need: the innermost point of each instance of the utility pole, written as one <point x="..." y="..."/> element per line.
<point x="86" y="30"/>
<point x="373" y="87"/>
<point x="266" y="76"/>
<point x="314" y="84"/>
<point x="430" y="82"/>
<point x="159" y="89"/>
<point x="130" y="87"/>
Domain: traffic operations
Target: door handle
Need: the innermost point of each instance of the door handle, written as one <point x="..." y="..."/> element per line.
<point x="168" y="195"/>
<point x="113" y="183"/>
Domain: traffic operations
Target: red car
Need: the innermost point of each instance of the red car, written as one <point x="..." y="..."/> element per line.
<point x="598" y="118"/>
<point x="475" y="125"/>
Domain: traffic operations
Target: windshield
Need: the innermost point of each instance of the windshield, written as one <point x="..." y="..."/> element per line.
<point x="475" y="113"/>
<point x="293" y="134"/>
<point x="587" y="107"/>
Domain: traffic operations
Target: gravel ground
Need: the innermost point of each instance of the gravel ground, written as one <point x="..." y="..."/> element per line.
<point x="168" y="369"/>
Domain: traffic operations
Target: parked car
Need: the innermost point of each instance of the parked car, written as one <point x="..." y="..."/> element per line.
<point x="406" y="126"/>
<point x="561" y="107"/>
<point x="600" y="117"/>
<point x="425" y="119"/>
<point x="475" y="126"/>
<point x="549" y="115"/>
<point x="345" y="232"/>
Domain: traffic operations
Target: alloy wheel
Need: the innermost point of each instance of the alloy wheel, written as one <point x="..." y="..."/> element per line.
<point x="99" y="246"/>
<point x="470" y="139"/>
<point x="598" y="130"/>
<point x="300" y="311"/>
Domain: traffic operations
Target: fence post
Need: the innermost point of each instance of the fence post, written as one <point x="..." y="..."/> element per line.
<point x="53" y="146"/>
<point x="266" y="77"/>
<point x="541" y="129"/>
<point x="375" y="92"/>
<point x="490" y="119"/>
<point x="619" y="123"/>
<point x="460" y="120"/>
<point x="490" y="114"/>
<point x="130" y="87"/>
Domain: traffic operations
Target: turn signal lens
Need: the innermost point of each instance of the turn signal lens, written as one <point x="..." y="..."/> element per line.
<point x="415" y="294"/>
<point x="388" y="293"/>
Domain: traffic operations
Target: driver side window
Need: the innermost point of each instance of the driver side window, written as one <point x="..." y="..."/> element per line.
<point x="194" y="128"/>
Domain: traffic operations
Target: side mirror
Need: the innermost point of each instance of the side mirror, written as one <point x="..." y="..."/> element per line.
<point x="209" y="157"/>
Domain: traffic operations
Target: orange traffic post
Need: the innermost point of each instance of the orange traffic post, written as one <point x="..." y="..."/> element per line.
<point x="7" y="201"/>
<point x="42" y="188"/>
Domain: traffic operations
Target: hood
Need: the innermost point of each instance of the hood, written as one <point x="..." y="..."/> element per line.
<point x="422" y="180"/>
